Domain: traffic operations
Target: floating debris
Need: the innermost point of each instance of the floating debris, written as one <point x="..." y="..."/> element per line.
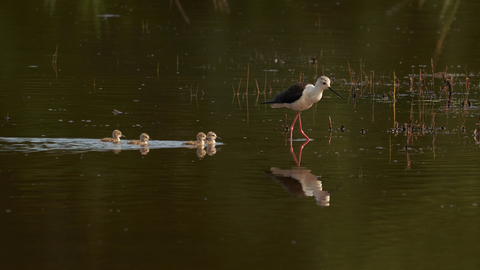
<point x="115" y="112"/>
<point x="106" y="16"/>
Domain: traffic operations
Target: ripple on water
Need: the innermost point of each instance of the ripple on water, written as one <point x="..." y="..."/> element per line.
<point x="19" y="144"/>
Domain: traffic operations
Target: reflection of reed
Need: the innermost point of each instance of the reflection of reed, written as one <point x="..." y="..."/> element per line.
<point x="330" y="129"/>
<point x="394" y="99"/>
<point x="433" y="76"/>
<point x="476" y="133"/>
<point x="246" y="93"/>
<point x="409" y="138"/>
<point x="466" y="102"/>
<point x="372" y="85"/>
<point x="54" y="62"/>
<point x="301" y="183"/>
<point x="265" y="92"/>
<point x="258" y="93"/>
<point x="196" y="95"/>
<point x="238" y="93"/>
<point x="145" y="27"/>
<point x="409" y="163"/>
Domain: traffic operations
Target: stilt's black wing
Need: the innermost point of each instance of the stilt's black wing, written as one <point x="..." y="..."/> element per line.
<point x="292" y="94"/>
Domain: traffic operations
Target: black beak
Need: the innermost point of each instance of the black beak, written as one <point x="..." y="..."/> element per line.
<point x="334" y="91"/>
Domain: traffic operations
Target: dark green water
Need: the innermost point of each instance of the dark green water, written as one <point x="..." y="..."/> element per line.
<point x="377" y="202"/>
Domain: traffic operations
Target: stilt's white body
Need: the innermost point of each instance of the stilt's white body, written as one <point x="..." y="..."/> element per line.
<point x="300" y="97"/>
<point x="306" y="94"/>
<point x="310" y="95"/>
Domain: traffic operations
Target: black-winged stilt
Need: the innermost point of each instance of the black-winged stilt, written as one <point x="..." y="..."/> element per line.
<point x="143" y="140"/>
<point x="200" y="140"/>
<point x="211" y="137"/>
<point x="299" y="97"/>
<point x="116" y="134"/>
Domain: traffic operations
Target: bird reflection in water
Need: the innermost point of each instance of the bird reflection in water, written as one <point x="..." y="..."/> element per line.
<point x="203" y="150"/>
<point x="204" y="141"/>
<point x="144" y="150"/>
<point x="297" y="161"/>
<point x="302" y="183"/>
<point x="211" y="150"/>
<point x="299" y="180"/>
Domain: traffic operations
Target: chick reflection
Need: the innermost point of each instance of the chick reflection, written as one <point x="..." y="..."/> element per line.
<point x="301" y="183"/>
<point x="211" y="150"/>
<point x="144" y="150"/>
<point x="203" y="150"/>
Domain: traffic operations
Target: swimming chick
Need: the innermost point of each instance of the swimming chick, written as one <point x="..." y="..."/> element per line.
<point x="143" y="140"/>
<point x="115" y="137"/>
<point x="200" y="140"/>
<point x="211" y="137"/>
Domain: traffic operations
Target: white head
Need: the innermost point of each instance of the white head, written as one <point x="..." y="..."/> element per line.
<point x="324" y="83"/>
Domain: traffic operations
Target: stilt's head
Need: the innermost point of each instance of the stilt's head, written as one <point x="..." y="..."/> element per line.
<point x="144" y="137"/>
<point x="324" y="83"/>
<point x="117" y="134"/>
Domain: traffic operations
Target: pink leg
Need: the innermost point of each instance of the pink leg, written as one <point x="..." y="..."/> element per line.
<point x="301" y="129"/>
<point x="297" y="161"/>
<point x="293" y="154"/>
<point x="291" y="127"/>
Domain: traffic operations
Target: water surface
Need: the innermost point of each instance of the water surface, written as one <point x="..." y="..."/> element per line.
<point x="366" y="197"/>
